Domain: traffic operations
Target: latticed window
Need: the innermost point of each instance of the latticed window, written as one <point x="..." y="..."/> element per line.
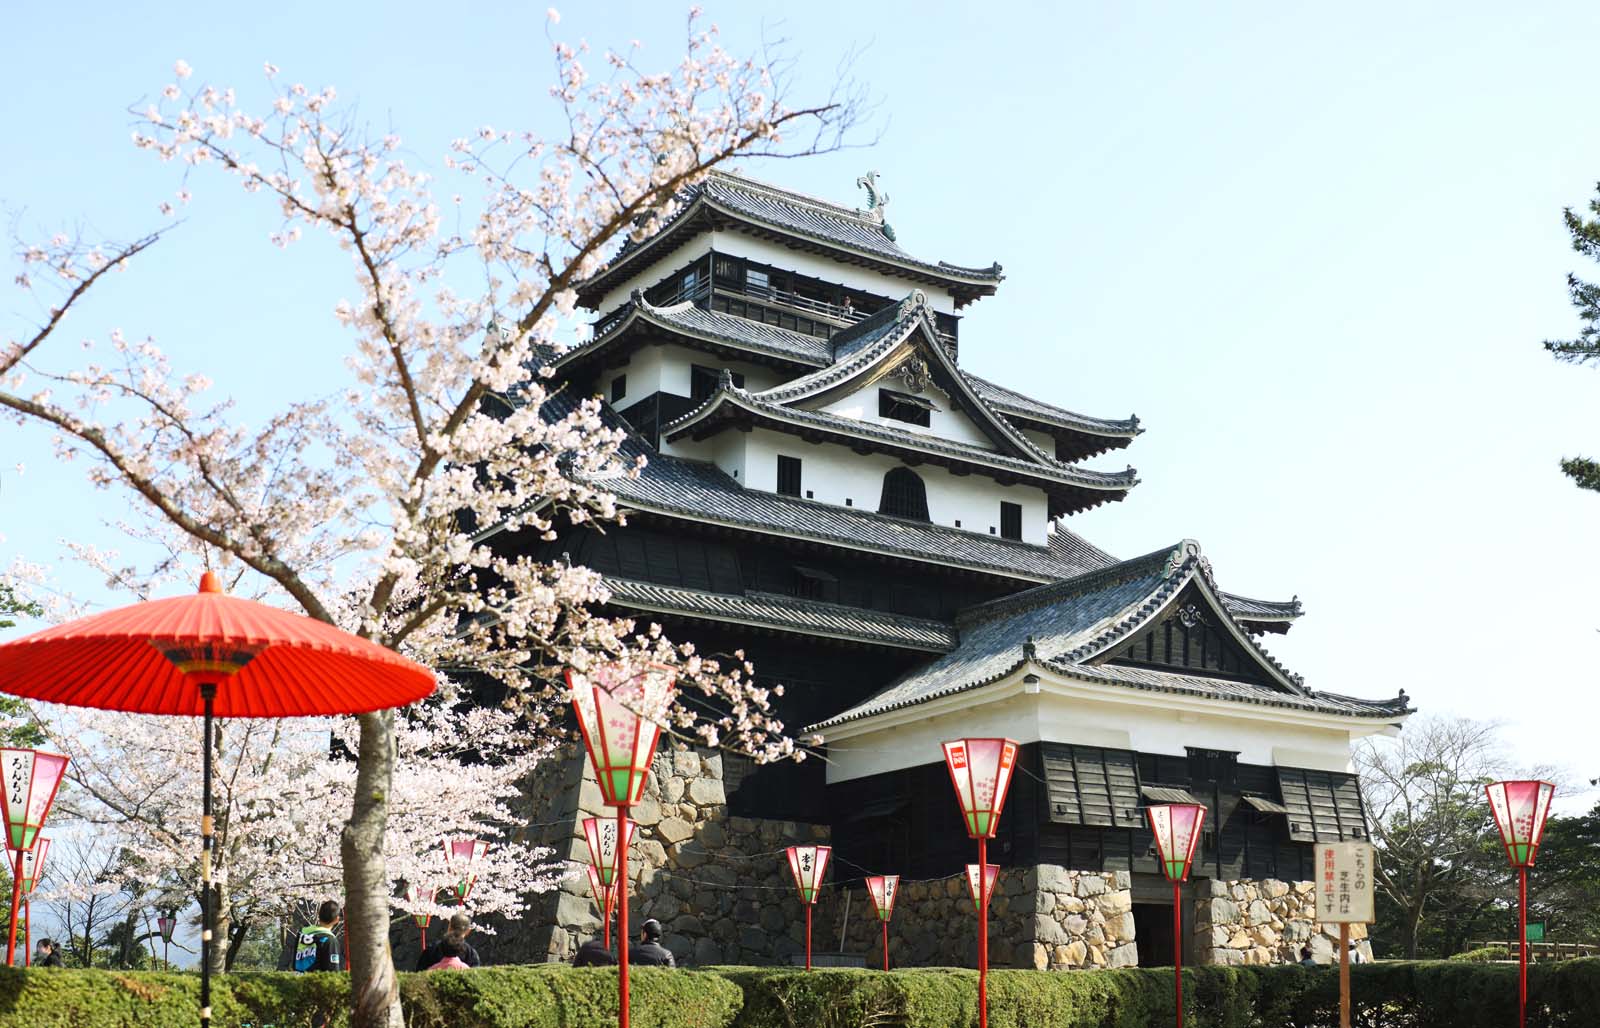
<point x="904" y="495"/>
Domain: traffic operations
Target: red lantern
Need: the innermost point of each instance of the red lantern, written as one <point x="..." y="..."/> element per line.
<point x="884" y="889"/>
<point x="31" y="781"/>
<point x="620" y="713"/>
<point x="461" y="858"/>
<point x="167" y="925"/>
<point x="621" y="708"/>
<point x="1520" y="810"/>
<point x="603" y="896"/>
<point x="980" y="769"/>
<point x="33" y="864"/>
<point x="1177" y="830"/>
<point x="604" y="854"/>
<point x="982" y="892"/>
<point x="807" y="864"/>
<point x="415" y="897"/>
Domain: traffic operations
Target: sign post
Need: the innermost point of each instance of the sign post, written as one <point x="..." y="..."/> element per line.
<point x="1344" y="897"/>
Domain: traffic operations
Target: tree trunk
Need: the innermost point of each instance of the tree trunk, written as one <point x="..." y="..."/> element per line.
<point x="374" y="990"/>
<point x="1413" y="929"/>
<point x="222" y="917"/>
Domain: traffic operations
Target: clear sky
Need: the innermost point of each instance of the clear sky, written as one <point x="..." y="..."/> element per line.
<point x="1314" y="248"/>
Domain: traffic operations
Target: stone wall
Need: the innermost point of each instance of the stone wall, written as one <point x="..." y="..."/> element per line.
<point x="1040" y="917"/>
<point x="1264" y="922"/>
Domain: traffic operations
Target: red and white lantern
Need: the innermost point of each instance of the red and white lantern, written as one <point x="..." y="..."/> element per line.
<point x="807" y="864"/>
<point x="33" y="864"/>
<point x="883" y="889"/>
<point x="1177" y="831"/>
<point x="1520" y="810"/>
<point x="991" y="874"/>
<point x="605" y="856"/>
<point x="621" y="709"/>
<point x="462" y="857"/>
<point x="980" y="769"/>
<point x="31" y="781"/>
<point x="416" y="896"/>
<point x="167" y="925"/>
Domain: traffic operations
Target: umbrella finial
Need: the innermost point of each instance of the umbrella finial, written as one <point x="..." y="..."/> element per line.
<point x="209" y="583"/>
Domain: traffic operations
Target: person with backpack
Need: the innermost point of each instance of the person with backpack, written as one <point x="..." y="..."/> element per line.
<point x="451" y="949"/>
<point x="318" y="945"/>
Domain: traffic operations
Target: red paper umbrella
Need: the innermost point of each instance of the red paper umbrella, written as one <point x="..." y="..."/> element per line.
<point x="215" y="656"/>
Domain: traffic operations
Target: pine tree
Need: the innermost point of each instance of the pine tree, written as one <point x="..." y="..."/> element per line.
<point x="1585" y="348"/>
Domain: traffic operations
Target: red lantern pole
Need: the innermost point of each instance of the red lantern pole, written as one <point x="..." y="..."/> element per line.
<point x="27" y="936"/>
<point x="28" y="783"/>
<point x="622" y="913"/>
<point x="980" y="770"/>
<point x="808" y="936"/>
<point x="1520" y="810"/>
<point x="883" y="889"/>
<point x="1176" y="827"/>
<point x="886" y="945"/>
<point x="16" y="908"/>
<point x="983" y="932"/>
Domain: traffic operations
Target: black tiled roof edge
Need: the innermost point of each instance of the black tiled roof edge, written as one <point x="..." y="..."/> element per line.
<point x="809" y="217"/>
<point x="810" y="617"/>
<point x="713" y="326"/>
<point x="1247" y="609"/>
<point x="1009" y="401"/>
<point x="1238" y="692"/>
<point x="1056" y="471"/>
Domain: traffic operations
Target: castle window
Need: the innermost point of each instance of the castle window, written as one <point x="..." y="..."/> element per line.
<point x="756" y="281"/>
<point x="788" y="476"/>
<point x="904" y="495"/>
<point x="703" y="381"/>
<point x="815" y="584"/>
<point x="913" y="410"/>
<point x="1010" y="520"/>
<point x="619" y="388"/>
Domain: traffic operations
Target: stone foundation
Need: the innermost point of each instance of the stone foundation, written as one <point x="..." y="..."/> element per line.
<point x="1264" y="922"/>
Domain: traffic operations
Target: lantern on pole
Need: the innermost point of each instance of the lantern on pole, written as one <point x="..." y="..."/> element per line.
<point x="1520" y="810"/>
<point x="461" y="859"/>
<point x="1177" y="831"/>
<point x="620" y="709"/>
<point x="603" y="898"/>
<point x="31" y="781"/>
<point x="985" y="888"/>
<point x="807" y="864"/>
<point x="416" y="896"/>
<point x="32" y="871"/>
<point x="166" y="925"/>
<point x="980" y="770"/>
<point x="883" y="889"/>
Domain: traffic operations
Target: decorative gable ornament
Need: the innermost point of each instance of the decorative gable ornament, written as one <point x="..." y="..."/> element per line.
<point x="1177" y="831"/>
<point x="1520" y="810"/>
<point x="991" y="874"/>
<point x="620" y="711"/>
<point x="914" y="373"/>
<point x="883" y="890"/>
<point x="604" y="853"/>
<point x="807" y="864"/>
<point x="980" y="770"/>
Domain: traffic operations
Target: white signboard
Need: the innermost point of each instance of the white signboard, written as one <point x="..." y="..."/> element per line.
<point x="1344" y="882"/>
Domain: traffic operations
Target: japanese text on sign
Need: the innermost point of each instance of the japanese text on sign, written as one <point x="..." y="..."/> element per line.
<point x="1344" y="882"/>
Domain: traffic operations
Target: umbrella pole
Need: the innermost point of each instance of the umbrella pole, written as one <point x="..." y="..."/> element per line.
<point x="208" y="694"/>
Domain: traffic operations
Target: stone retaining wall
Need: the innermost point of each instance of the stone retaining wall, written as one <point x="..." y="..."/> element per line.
<point x="1264" y="922"/>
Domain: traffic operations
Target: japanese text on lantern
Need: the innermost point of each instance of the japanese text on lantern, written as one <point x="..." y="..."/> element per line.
<point x="1344" y="882"/>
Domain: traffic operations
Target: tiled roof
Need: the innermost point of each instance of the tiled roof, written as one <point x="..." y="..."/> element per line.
<point x="1262" y="610"/>
<point x="1065" y="625"/>
<point x="713" y="326"/>
<point x="1009" y="401"/>
<point x="1046" y="468"/>
<point x="787" y="612"/>
<point x="805" y="217"/>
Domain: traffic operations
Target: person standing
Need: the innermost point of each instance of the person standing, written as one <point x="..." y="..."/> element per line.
<point x="46" y="954"/>
<point x="318" y="946"/>
<point x="451" y="948"/>
<point x="649" y="952"/>
<point x="461" y="926"/>
<point x="594" y="953"/>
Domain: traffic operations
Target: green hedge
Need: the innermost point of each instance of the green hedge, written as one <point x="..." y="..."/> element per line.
<point x="1439" y="994"/>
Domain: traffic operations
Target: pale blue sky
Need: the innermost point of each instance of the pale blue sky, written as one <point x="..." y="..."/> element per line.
<point x="1315" y="249"/>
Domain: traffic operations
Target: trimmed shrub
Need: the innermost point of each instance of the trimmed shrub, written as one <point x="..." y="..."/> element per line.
<point x="1398" y="994"/>
<point x="1485" y="955"/>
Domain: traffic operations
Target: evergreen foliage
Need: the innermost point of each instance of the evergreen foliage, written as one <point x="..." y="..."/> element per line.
<point x="1586" y="347"/>
<point x="1440" y="994"/>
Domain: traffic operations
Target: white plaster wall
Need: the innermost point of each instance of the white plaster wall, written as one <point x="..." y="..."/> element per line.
<point x="833" y="474"/>
<point x="1042" y="440"/>
<point x="1143" y="724"/>
<point x="647" y="275"/>
<point x="946" y="421"/>
<point x="666" y="368"/>
<point x="764" y="252"/>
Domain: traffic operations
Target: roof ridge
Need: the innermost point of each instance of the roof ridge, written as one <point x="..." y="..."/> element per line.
<point x="779" y="192"/>
<point x="1042" y="595"/>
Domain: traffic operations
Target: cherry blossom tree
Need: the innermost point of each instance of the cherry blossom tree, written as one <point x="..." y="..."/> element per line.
<point x="364" y="508"/>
